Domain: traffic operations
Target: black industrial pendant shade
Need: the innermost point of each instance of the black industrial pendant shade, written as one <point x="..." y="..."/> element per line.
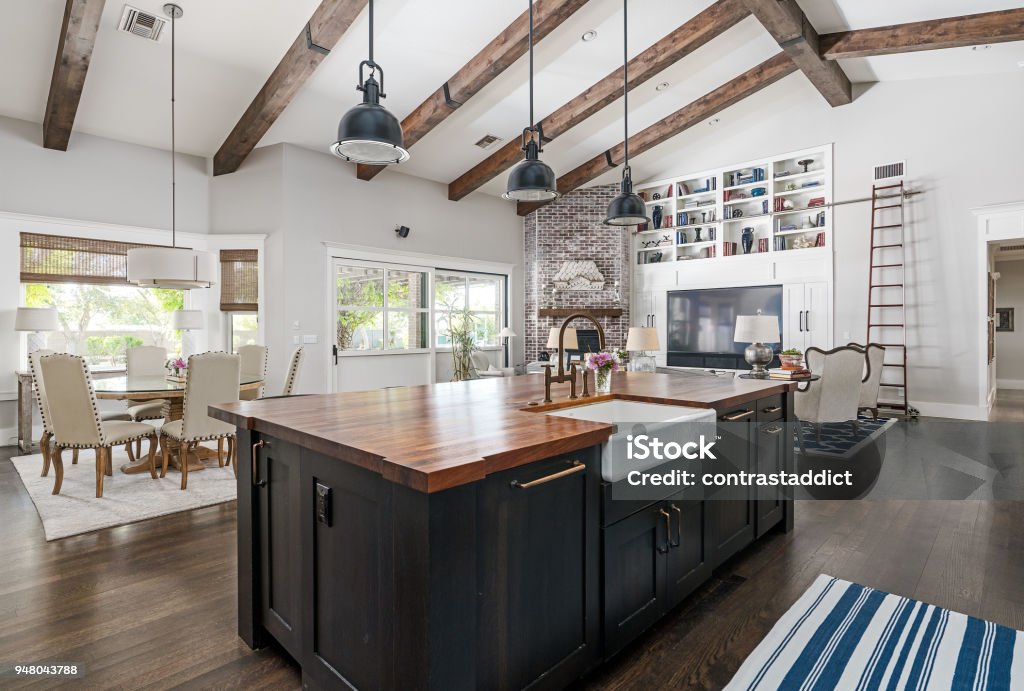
<point x="369" y="133"/>
<point x="627" y="209"/>
<point x="531" y="180"/>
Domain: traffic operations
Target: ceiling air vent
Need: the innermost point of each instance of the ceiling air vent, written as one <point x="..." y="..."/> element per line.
<point x="143" y="24"/>
<point x="487" y="140"/>
<point x="890" y="170"/>
<point x="1011" y="248"/>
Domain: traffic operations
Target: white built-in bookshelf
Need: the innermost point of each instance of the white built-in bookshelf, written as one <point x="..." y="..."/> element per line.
<point x="784" y="200"/>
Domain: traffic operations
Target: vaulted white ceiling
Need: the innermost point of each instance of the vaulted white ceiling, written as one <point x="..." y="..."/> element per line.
<point x="227" y="48"/>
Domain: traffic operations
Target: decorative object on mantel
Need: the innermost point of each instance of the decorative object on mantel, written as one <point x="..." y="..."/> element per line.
<point x="579" y="275"/>
<point x="603" y="364"/>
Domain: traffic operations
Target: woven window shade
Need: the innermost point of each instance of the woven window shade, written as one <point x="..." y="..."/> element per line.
<point x="62" y="259"/>
<point x="239" y="280"/>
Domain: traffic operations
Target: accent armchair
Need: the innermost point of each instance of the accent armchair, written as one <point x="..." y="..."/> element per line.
<point x="874" y="359"/>
<point x="834" y="397"/>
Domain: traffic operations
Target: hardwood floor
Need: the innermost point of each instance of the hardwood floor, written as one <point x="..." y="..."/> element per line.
<point x="1009" y="406"/>
<point x="152" y="605"/>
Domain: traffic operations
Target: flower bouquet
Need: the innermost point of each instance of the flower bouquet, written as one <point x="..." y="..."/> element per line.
<point x="176" y="369"/>
<point x="603" y="364"/>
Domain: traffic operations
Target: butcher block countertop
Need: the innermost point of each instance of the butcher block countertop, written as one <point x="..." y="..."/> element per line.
<point x="431" y="438"/>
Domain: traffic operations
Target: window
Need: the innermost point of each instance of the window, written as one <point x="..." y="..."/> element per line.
<point x="381" y="308"/>
<point x="243" y="329"/>
<point x="476" y="300"/>
<point x="100" y="313"/>
<point x="100" y="322"/>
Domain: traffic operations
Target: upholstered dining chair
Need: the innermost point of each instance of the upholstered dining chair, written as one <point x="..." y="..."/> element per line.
<point x="834" y="397"/>
<point x="75" y="419"/>
<point x="253" y="366"/>
<point x="42" y="405"/>
<point x="293" y="372"/>
<point x="210" y="378"/>
<point x="146" y="361"/>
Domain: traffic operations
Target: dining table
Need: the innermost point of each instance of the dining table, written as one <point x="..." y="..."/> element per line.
<point x="148" y="388"/>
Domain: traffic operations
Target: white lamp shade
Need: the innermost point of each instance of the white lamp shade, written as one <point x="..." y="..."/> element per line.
<point x="757" y="328"/>
<point x="568" y="343"/>
<point x="36" y="319"/>
<point x="506" y="333"/>
<point x="642" y="338"/>
<point x="171" y="267"/>
<point x="188" y="320"/>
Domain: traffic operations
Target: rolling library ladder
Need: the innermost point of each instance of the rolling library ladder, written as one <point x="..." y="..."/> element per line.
<point x="887" y="309"/>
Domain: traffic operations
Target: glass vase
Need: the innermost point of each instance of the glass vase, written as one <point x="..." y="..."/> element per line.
<point x="603" y="381"/>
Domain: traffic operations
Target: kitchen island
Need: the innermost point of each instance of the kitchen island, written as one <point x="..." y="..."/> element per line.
<point x="457" y="537"/>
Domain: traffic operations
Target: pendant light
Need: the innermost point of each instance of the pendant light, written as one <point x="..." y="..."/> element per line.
<point x="369" y="133"/>
<point x="627" y="209"/>
<point x="171" y="267"/>
<point x="531" y="180"/>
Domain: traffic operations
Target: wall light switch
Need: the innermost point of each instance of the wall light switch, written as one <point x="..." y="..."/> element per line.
<point x="296" y="340"/>
<point x="309" y="338"/>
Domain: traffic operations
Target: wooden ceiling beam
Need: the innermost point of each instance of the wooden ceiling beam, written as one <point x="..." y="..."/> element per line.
<point x="951" y="32"/>
<point x="74" y="51"/>
<point x="675" y="46"/>
<point x="326" y="26"/>
<point x="497" y="56"/>
<point x="786" y="22"/>
<point x="705" y="107"/>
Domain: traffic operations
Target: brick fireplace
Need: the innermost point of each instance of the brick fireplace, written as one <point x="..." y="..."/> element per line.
<point x="571" y="229"/>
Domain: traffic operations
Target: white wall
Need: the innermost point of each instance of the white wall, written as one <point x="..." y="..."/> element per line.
<point x="98" y="179"/>
<point x="1010" y="345"/>
<point x="316" y="198"/>
<point x="962" y="140"/>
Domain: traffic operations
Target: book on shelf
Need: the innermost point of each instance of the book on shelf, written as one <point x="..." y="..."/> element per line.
<point x="816" y="201"/>
<point x="780" y="244"/>
<point x="819" y="241"/>
<point x="762" y="245"/>
<point x="728" y="249"/>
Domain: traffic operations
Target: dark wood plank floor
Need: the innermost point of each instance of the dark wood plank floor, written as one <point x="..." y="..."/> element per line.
<point x="152" y="605"/>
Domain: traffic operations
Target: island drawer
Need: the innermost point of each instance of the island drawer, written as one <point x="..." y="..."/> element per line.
<point x="770" y="408"/>
<point x="615" y="510"/>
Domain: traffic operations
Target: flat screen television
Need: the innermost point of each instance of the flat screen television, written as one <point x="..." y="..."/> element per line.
<point x="701" y="324"/>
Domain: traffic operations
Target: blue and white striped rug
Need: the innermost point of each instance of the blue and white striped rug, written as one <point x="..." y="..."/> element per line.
<point x="841" y="635"/>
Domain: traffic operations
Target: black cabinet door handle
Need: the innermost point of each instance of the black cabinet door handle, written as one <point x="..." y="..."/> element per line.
<point x="255" y="469"/>
<point x="668" y="531"/>
<point x="679" y="526"/>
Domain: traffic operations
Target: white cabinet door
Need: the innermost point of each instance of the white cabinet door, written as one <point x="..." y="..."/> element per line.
<point x="793" y="316"/>
<point x="816" y="311"/>
<point x="660" y="322"/>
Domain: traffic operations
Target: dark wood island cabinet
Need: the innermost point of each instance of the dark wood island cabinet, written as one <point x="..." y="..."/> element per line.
<point x="455" y="537"/>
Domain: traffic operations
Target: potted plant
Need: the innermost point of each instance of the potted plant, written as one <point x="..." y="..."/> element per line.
<point x="791" y="359"/>
<point x="462" y="334"/>
<point x="603" y="364"/>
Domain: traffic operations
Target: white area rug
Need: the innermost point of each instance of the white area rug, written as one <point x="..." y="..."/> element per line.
<point x="126" y="498"/>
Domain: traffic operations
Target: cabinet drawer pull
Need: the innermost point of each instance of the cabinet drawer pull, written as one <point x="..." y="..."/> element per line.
<point x="255" y="472"/>
<point x="773" y="430"/>
<point x="771" y="409"/>
<point x="738" y="416"/>
<point x="575" y="468"/>
<point x="668" y="531"/>
<point x="679" y="525"/>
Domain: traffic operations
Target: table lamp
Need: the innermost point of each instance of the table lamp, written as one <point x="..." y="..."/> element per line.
<point x="757" y="330"/>
<point x="506" y="334"/>
<point x="36" y="321"/>
<point x="569" y="341"/>
<point x="187" y="321"/>
<point x="640" y="340"/>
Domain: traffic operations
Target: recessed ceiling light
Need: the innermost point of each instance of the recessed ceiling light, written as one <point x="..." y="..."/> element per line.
<point x="985" y="47"/>
<point x="589" y="35"/>
<point x="661" y="87"/>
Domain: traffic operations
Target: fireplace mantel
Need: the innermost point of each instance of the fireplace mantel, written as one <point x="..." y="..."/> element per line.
<point x="566" y="311"/>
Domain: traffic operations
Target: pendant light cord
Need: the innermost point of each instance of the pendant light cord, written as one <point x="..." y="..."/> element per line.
<point x="531" y="67"/>
<point x="174" y="172"/>
<point x="371" y="34"/>
<point x="625" y="84"/>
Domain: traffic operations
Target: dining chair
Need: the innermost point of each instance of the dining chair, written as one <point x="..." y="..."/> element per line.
<point x="253" y="366"/>
<point x="147" y="361"/>
<point x="42" y="405"/>
<point x="293" y="372"/>
<point x="75" y="419"/>
<point x="835" y="397"/>
<point x="210" y="378"/>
